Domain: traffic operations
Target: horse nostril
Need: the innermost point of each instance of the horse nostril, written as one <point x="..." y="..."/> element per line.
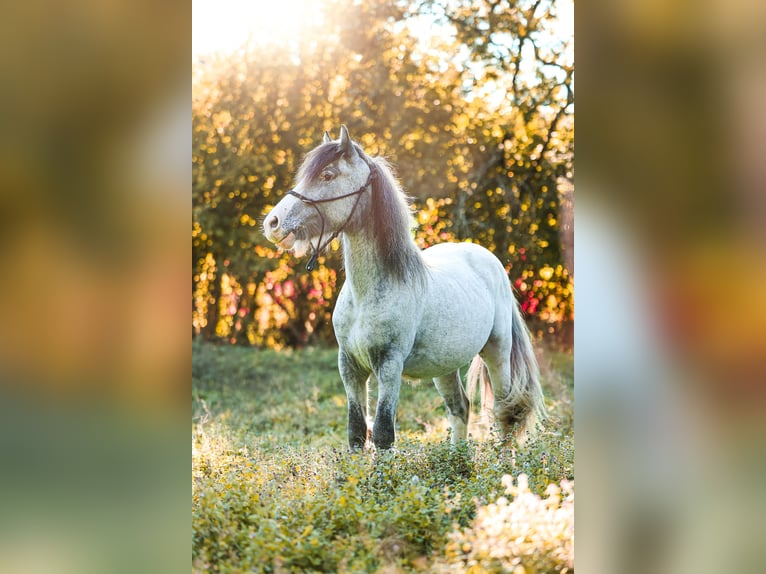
<point x="273" y="223"/>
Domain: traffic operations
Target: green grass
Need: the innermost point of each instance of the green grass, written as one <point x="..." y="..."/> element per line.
<point x="275" y="490"/>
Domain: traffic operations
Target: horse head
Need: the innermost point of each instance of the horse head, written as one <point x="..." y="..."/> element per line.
<point x="329" y="186"/>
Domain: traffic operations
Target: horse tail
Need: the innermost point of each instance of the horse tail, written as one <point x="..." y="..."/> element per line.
<point x="478" y="374"/>
<point x="523" y="406"/>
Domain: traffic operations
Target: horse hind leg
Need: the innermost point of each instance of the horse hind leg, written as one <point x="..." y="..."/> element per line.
<point x="458" y="407"/>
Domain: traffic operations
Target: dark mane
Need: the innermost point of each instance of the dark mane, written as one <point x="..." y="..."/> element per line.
<point x="390" y="213"/>
<point x="392" y="224"/>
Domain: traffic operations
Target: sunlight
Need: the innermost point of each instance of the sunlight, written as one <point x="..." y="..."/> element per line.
<point x="226" y="25"/>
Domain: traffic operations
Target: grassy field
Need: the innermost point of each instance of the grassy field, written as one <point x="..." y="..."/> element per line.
<point x="275" y="490"/>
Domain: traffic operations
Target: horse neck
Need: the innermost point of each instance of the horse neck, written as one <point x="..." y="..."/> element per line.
<point x="361" y="261"/>
<point x="365" y="270"/>
<point x="381" y="251"/>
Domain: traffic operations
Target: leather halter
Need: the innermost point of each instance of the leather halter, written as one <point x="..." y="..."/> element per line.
<point x="311" y="265"/>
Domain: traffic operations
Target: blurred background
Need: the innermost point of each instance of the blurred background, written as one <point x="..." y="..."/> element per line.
<point x="671" y="313"/>
<point x="94" y="353"/>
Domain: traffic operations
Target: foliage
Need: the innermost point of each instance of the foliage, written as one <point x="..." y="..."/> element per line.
<point x="534" y="533"/>
<point x="274" y="489"/>
<point x="477" y="119"/>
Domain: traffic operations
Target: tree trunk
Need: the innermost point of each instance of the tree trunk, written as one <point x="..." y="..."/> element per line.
<point x="566" y="222"/>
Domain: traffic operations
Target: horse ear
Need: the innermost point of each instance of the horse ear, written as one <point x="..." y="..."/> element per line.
<point x="326" y="138"/>
<point x="345" y="142"/>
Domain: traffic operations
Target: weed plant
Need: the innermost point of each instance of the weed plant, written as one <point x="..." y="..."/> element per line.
<point x="274" y="488"/>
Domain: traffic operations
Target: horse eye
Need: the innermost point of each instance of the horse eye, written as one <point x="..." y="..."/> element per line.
<point x="328" y="175"/>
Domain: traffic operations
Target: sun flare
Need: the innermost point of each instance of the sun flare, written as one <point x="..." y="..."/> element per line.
<point x="226" y="25"/>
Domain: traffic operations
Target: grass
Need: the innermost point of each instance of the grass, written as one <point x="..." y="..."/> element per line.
<point x="275" y="490"/>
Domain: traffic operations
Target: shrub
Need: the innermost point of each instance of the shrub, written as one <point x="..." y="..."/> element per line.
<point x="274" y="489"/>
<point x="525" y="534"/>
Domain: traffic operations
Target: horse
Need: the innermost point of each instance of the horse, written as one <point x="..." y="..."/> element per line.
<point x="404" y="312"/>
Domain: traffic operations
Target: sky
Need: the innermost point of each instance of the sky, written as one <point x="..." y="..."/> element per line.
<point x="225" y="25"/>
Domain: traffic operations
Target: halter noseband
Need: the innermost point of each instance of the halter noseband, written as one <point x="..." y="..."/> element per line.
<point x="311" y="265"/>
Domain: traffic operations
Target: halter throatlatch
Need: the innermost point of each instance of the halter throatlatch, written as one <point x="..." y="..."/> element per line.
<point x="311" y="265"/>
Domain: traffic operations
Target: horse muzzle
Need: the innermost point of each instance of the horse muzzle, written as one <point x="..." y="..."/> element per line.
<point x="281" y="228"/>
<point x="276" y="225"/>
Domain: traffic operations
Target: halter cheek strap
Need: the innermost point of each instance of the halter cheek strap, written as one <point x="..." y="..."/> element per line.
<point x="311" y="265"/>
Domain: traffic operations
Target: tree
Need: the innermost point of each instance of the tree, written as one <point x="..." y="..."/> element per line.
<point x="479" y="166"/>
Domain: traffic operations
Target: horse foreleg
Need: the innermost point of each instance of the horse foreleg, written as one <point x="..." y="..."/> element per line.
<point x="388" y="370"/>
<point x="355" y="382"/>
<point x="455" y="399"/>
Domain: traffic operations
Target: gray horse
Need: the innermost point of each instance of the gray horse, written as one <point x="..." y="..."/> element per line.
<point x="403" y="312"/>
